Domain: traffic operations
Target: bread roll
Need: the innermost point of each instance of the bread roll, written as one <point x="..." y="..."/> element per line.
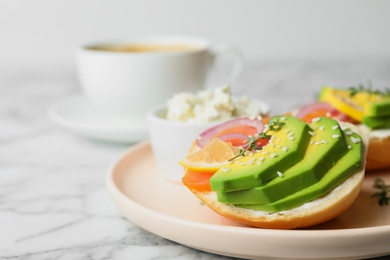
<point x="378" y="155"/>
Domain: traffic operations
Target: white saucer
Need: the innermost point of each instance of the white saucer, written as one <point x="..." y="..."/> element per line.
<point x="80" y="117"/>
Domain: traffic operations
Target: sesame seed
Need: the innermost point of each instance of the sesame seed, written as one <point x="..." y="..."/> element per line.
<point x="290" y="134"/>
<point x="311" y="141"/>
<point x="323" y="141"/>
<point x="355" y="140"/>
<point x="322" y="128"/>
<point x="335" y="127"/>
<point x="250" y="154"/>
<point x="224" y="169"/>
<point x="283" y="118"/>
<point x="265" y="152"/>
<point x="291" y="138"/>
<point x="316" y="119"/>
<point x="349" y="147"/>
<point x="277" y="146"/>
<point x="316" y="143"/>
<point x="311" y="133"/>
<point x="279" y="174"/>
<point x="273" y="155"/>
<point x="287" y="130"/>
<point x="335" y="136"/>
<point x="261" y="158"/>
<point x="259" y="163"/>
<point x="285" y="148"/>
<point x="348" y="132"/>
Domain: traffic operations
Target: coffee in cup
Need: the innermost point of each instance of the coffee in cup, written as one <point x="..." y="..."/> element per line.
<point x="128" y="78"/>
<point x="144" y="47"/>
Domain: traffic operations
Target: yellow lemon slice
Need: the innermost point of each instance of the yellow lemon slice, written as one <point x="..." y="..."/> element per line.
<point x="211" y="157"/>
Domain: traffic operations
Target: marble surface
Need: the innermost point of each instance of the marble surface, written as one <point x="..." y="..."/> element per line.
<point x="53" y="200"/>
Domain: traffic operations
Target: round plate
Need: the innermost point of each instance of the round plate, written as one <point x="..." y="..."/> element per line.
<point x="169" y="210"/>
<point x="81" y="117"/>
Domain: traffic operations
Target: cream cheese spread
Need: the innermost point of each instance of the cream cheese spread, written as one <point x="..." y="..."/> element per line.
<point x="376" y="133"/>
<point x="210" y="105"/>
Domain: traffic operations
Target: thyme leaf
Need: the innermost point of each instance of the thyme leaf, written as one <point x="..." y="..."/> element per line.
<point x="273" y="125"/>
<point x="381" y="195"/>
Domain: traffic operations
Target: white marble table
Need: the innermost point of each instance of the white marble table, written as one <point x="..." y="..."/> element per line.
<point x="53" y="200"/>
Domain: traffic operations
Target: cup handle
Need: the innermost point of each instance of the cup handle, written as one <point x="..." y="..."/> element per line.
<point x="235" y="52"/>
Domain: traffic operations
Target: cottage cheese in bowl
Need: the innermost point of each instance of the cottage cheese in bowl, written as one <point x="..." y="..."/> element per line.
<point x="212" y="105"/>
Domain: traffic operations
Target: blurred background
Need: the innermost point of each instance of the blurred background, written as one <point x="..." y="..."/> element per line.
<point x="47" y="32"/>
<point x="296" y="45"/>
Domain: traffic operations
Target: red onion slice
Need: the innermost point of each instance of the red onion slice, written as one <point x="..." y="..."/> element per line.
<point x="236" y="139"/>
<point x="307" y="109"/>
<point x="333" y="112"/>
<point x="205" y="137"/>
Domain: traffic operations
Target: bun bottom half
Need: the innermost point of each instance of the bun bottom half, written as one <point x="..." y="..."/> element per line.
<point x="311" y="213"/>
<point x="378" y="155"/>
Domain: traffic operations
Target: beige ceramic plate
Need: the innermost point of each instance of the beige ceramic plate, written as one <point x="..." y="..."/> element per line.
<point x="169" y="210"/>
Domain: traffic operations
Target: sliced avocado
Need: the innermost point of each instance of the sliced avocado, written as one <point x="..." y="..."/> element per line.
<point x="377" y="122"/>
<point x="377" y="109"/>
<point x="326" y="147"/>
<point x="348" y="165"/>
<point x="286" y="147"/>
<point x="361" y="105"/>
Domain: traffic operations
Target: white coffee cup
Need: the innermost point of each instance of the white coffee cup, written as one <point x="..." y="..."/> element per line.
<point x="129" y="83"/>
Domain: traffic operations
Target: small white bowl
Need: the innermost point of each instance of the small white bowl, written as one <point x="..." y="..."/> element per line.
<point x="171" y="141"/>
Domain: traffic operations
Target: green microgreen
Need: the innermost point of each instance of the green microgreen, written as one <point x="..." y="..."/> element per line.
<point x="384" y="189"/>
<point x="368" y="89"/>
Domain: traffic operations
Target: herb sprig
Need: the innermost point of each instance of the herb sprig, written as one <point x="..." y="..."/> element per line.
<point x="369" y="89"/>
<point x="384" y="189"/>
<point x="273" y="125"/>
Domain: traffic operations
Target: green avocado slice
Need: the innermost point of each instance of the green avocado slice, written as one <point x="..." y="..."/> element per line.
<point x="286" y="147"/>
<point x="377" y="122"/>
<point x="348" y="165"/>
<point x="326" y="147"/>
<point x="378" y="108"/>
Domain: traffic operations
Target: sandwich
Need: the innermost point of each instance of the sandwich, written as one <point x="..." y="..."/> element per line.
<point x="363" y="106"/>
<point x="289" y="174"/>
